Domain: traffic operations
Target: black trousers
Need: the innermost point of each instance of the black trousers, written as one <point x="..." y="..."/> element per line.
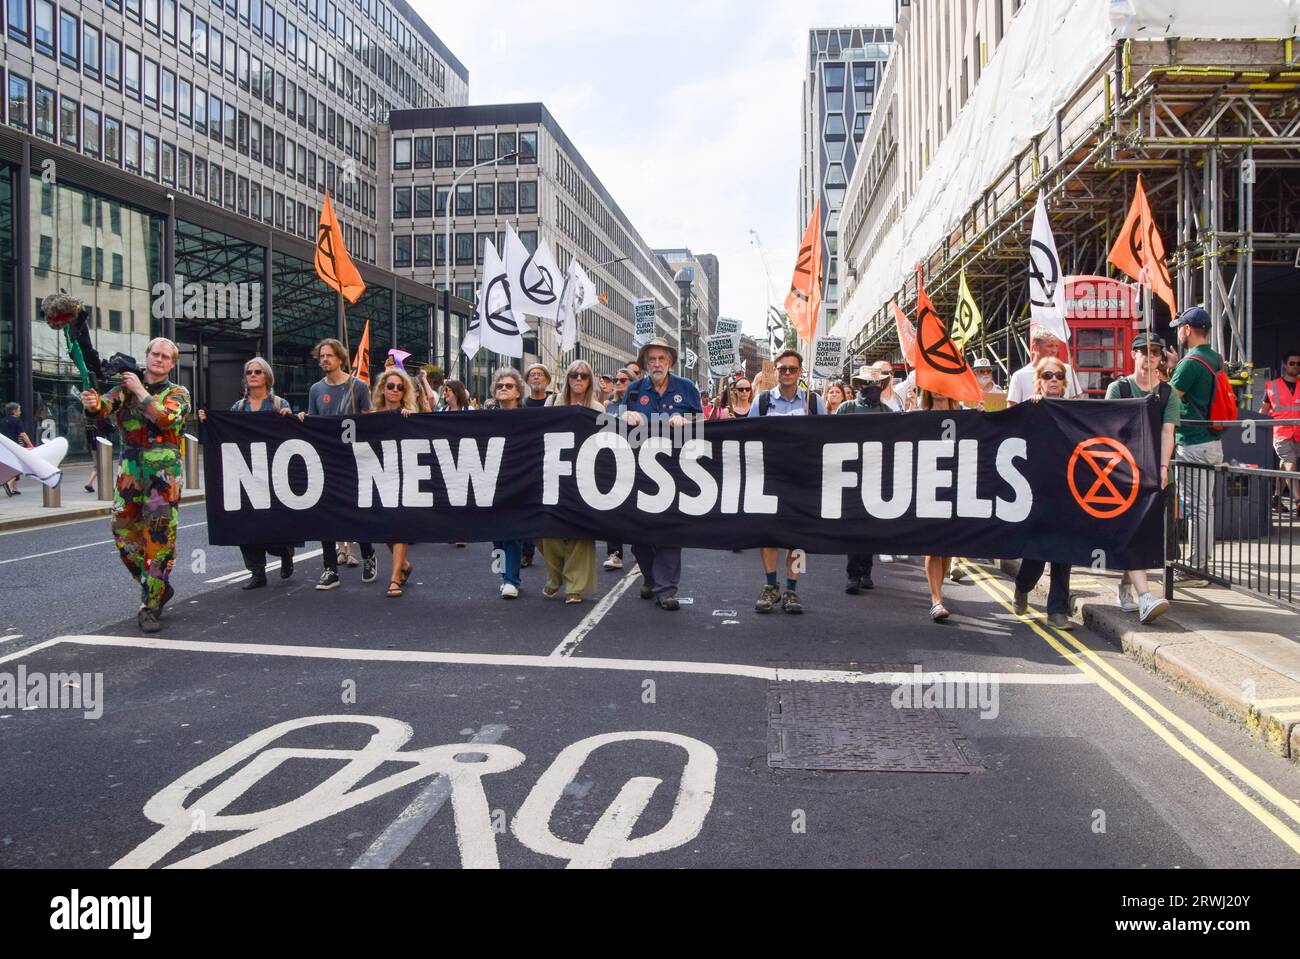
<point x="331" y="555"/>
<point x="255" y="557"/>
<point x="860" y="565"/>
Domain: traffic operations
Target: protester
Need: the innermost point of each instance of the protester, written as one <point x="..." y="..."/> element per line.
<point x="983" y="368"/>
<point x="339" y="393"/>
<point x="606" y="387"/>
<point x="434" y="378"/>
<point x="1148" y="351"/>
<point x="1042" y="343"/>
<point x="538" y="378"/>
<point x="1050" y="377"/>
<point x="869" y="383"/>
<point x="396" y="392"/>
<point x="622" y="380"/>
<point x="259" y="397"/>
<point x="890" y="398"/>
<point x="1282" y="402"/>
<point x="635" y="371"/>
<point x="907" y="393"/>
<point x="508" y="388"/>
<point x="658" y="396"/>
<point x="834" y="394"/>
<point x="455" y="398"/>
<point x="1195" y="381"/>
<point x="11" y="427"/>
<point x="739" y="400"/>
<point x="937" y="567"/>
<point x="787" y="399"/>
<point x="571" y="563"/>
<point x="151" y="418"/>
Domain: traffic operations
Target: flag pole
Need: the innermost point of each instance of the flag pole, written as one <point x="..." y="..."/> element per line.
<point x="559" y="345"/>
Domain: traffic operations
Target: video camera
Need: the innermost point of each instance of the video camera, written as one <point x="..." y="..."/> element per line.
<point x="120" y="363"/>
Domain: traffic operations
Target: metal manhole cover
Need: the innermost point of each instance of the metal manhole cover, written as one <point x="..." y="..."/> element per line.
<point x="855" y="727"/>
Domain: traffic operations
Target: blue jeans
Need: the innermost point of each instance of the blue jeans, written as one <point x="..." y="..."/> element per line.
<point x="514" y="554"/>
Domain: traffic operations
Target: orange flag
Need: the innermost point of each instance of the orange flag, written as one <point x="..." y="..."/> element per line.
<point x="940" y="364"/>
<point x="1140" y="252"/>
<point x="361" y="365"/>
<point x="906" y="336"/>
<point x="333" y="265"/>
<point x="805" y="299"/>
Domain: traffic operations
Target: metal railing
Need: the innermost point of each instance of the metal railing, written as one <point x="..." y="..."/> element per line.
<point x="1236" y="526"/>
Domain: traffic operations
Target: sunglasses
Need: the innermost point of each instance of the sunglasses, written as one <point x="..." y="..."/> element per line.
<point x="624" y="379"/>
<point x="787" y="370"/>
<point x="1293" y="362"/>
<point x="505" y="386"/>
<point x="1054" y="376"/>
<point x="580" y="376"/>
<point x="744" y="389"/>
<point x="254" y="373"/>
<point x="395" y="387"/>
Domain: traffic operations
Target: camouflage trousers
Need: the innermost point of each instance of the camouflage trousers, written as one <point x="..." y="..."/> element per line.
<point x="145" y="511"/>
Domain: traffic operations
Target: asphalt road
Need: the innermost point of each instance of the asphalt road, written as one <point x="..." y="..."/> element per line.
<point x="610" y="734"/>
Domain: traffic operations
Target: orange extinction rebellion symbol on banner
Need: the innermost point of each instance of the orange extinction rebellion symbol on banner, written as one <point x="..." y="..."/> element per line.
<point x="1103" y="459"/>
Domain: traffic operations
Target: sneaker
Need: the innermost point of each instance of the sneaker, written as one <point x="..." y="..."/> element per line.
<point x="668" y="603"/>
<point x="790" y="603"/>
<point x="149" y="621"/>
<point x="328" y="580"/>
<point x="1021" y="603"/>
<point x="886" y="558"/>
<point x="509" y="591"/>
<point x="768" y="598"/>
<point x="865" y="582"/>
<point x="1151" y="608"/>
<point x="613" y="562"/>
<point x="1127" y="598"/>
<point x="1061" y="621"/>
<point x="957" y="574"/>
<point x="939" y="613"/>
<point x="370" y="570"/>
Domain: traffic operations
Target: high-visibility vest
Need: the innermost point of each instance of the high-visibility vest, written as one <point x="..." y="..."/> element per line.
<point x="1284" y="403"/>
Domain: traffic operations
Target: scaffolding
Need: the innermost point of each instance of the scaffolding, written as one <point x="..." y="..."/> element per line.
<point x="1213" y="126"/>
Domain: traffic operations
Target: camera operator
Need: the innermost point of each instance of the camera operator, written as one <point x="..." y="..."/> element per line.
<point x="150" y="415"/>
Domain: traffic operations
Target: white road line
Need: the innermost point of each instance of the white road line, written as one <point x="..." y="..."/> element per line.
<point x="270" y="568"/>
<point x="569" y="645"/>
<point x="31" y="649"/>
<point x="70" y="549"/>
<point x="401" y="832"/>
<point x="5" y="639"/>
<point x="1071" y="678"/>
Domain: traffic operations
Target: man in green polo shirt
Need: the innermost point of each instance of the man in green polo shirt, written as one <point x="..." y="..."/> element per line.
<point x="1134" y="589"/>
<point x="1194" y="380"/>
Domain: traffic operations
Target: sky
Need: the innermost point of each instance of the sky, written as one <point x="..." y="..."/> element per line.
<point x="688" y="112"/>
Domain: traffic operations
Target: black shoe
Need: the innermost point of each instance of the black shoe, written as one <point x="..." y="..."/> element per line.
<point x="257" y="582"/>
<point x="8" y="491"/>
<point x="18" y="492"/>
<point x="864" y="582"/>
<point x="790" y="603"/>
<point x="88" y="488"/>
<point x="647" y="591"/>
<point x="668" y="603"/>
<point x="286" y="566"/>
<point x="370" y="569"/>
<point x="149" y="621"/>
<point x="854" y="588"/>
<point x="328" y="580"/>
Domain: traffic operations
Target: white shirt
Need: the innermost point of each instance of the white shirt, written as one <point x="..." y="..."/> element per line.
<point x="1022" y="385"/>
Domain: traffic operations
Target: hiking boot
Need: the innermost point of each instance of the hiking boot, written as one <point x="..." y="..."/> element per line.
<point x="328" y="580"/>
<point x="370" y="569"/>
<point x="790" y="603"/>
<point x="149" y="621"/>
<point x="668" y="603"/>
<point x="257" y="582"/>
<point x="768" y="598"/>
<point x="647" y="591"/>
<point x="1061" y="621"/>
<point x="1128" y="602"/>
<point x="1151" y="608"/>
<point x="1021" y="603"/>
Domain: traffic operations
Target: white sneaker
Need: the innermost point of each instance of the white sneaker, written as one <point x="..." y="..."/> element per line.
<point x="613" y="562"/>
<point x="1151" y="608"/>
<point x="509" y="591"/>
<point x="886" y="558"/>
<point x="1127" y="600"/>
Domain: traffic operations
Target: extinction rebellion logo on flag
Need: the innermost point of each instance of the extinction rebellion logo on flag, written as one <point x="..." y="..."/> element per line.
<point x="1104" y="478"/>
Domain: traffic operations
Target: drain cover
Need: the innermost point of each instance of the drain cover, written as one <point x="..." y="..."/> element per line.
<point x="855" y="727"/>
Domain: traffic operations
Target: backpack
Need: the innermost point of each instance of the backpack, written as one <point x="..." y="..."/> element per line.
<point x="1223" y="405"/>
<point x="1163" y="390"/>
<point x="765" y="404"/>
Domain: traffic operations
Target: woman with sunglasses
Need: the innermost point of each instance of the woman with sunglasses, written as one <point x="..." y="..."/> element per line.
<point x="508" y="391"/>
<point x="622" y="380"/>
<point x="396" y="392"/>
<point x="455" y="398"/>
<point x="571" y="563"/>
<point x="1050" y="376"/>
<point x="735" y="401"/>
<point x="259" y="397"/>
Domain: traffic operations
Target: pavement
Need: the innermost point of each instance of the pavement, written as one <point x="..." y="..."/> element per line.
<point x="28" y="510"/>
<point x="289" y="727"/>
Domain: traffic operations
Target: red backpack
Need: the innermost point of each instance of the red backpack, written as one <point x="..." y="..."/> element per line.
<point x="1223" y="405"/>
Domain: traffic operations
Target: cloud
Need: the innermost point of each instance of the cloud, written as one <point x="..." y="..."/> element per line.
<point x="688" y="112"/>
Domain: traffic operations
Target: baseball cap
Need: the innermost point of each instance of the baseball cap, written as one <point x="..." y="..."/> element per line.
<point x="1145" y="340"/>
<point x="1196" y="317"/>
<point x="983" y="363"/>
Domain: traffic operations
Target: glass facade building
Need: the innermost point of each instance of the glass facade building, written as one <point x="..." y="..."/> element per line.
<point x="166" y="162"/>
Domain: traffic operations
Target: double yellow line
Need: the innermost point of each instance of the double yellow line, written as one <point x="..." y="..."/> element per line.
<point x="1158" y="719"/>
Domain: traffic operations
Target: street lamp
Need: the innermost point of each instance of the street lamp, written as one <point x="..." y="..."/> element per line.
<point x="446" y="293"/>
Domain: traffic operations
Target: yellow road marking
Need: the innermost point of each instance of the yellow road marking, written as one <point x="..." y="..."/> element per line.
<point x="996" y="590"/>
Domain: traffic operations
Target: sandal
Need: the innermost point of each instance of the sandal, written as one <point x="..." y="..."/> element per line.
<point x="406" y="573"/>
<point x="550" y="592"/>
<point x="573" y="599"/>
<point x="394" y="590"/>
<point x="938" y="613"/>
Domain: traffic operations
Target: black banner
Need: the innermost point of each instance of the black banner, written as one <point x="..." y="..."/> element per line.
<point x="1075" y="482"/>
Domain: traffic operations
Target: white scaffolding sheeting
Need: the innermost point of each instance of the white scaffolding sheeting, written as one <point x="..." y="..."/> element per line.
<point x="1048" y="53"/>
<point x="1204" y="19"/>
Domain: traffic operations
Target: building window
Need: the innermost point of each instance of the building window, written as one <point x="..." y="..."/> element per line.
<point x="201" y="177"/>
<point x="442" y="152"/>
<point x="169" y="93"/>
<point x="228" y="123"/>
<point x="214" y="183"/>
<point x="487" y="147"/>
<point x="17" y="17"/>
<point x="423" y="202"/>
<point x="401" y="203"/>
<point x="483" y="240"/>
<point x="528" y="196"/>
<point x="402" y="154"/>
<point x="44" y="113"/>
<point x="184" y="168"/>
<point x="423" y="153"/>
<point x="113" y="140"/>
<point x="506" y="199"/>
<point x="44" y="27"/>
<point x="132" y="149"/>
<point x="487" y="195"/>
<point x="465" y="150"/>
<point x="113" y="62"/>
<point x="528" y="147"/>
<point x="69" y="122"/>
<point x="464" y="200"/>
<point x="69" y="40"/>
<point x="133" y="72"/>
<point x="90" y="51"/>
<point x="90" y="132"/>
<point x="440" y="250"/>
<point x="169" y="164"/>
<point x="401" y="252"/>
<point x="465" y="250"/>
<point x="423" y="249"/>
<point x="150" y="148"/>
<point x="19" y="101"/>
<point x="507" y="144"/>
<point x="150" y="83"/>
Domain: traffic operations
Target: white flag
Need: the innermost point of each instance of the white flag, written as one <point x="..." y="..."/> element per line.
<point x="692" y="358"/>
<point x="1046" y="282"/>
<point x="41" y="462"/>
<point x="577" y="294"/>
<point x="534" y="278"/>
<point x="495" y="325"/>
